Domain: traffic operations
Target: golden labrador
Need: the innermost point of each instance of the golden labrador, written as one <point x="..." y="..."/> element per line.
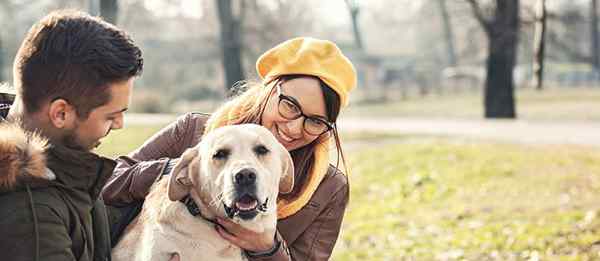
<point x="235" y="172"/>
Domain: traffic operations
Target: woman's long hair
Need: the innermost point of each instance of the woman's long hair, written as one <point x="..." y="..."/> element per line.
<point x="249" y="105"/>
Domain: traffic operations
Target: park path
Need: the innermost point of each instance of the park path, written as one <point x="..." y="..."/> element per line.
<point x="546" y="132"/>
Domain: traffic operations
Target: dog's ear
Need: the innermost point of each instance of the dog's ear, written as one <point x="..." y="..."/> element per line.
<point x="286" y="181"/>
<point x="180" y="183"/>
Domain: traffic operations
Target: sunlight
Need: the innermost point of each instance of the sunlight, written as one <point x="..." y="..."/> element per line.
<point x="185" y="8"/>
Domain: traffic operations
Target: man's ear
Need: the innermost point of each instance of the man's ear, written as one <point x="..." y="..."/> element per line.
<point x="180" y="182"/>
<point x="286" y="181"/>
<point x="61" y="114"/>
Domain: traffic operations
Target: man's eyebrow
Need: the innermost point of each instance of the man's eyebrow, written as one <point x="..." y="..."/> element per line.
<point x="119" y="111"/>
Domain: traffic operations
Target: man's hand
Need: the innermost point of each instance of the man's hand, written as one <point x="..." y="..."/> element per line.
<point x="244" y="238"/>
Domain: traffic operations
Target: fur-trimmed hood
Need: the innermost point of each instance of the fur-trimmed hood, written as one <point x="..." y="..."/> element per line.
<point x="22" y="158"/>
<point x="49" y="196"/>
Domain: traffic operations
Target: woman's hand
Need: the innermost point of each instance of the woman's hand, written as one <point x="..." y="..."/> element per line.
<point x="244" y="238"/>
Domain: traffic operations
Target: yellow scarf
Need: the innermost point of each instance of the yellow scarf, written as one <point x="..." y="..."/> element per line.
<point x="285" y="208"/>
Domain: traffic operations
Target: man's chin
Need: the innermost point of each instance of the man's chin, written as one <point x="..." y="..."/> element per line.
<point x="81" y="147"/>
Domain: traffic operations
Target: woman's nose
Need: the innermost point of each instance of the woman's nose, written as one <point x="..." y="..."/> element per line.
<point x="295" y="127"/>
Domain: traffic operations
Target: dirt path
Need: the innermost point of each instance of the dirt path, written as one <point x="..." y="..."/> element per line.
<point x="581" y="133"/>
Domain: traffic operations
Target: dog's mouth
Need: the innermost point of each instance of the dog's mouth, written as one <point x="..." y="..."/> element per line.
<point x="246" y="207"/>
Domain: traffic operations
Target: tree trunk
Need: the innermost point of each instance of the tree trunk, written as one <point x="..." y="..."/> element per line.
<point x="499" y="83"/>
<point x="2" y="79"/>
<point x="539" y="44"/>
<point x="356" y="30"/>
<point x="354" y="9"/>
<point x="594" y="34"/>
<point x="448" y="34"/>
<point x="109" y="10"/>
<point x="93" y="7"/>
<point x="231" y="44"/>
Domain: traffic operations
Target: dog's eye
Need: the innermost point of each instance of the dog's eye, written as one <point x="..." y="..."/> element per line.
<point x="221" y="154"/>
<point x="261" y="150"/>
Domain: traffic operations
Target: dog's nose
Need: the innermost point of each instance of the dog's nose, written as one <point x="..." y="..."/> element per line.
<point x="245" y="177"/>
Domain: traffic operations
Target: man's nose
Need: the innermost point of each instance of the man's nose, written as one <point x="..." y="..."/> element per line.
<point x="118" y="123"/>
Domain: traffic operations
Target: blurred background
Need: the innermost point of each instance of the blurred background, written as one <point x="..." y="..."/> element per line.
<point x="473" y="133"/>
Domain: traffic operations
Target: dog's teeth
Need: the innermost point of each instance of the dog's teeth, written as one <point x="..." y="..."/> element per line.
<point x="246" y="206"/>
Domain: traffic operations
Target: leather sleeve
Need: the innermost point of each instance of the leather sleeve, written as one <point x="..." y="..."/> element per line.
<point x="136" y="172"/>
<point x="317" y="241"/>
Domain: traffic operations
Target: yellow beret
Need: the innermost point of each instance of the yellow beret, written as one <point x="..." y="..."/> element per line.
<point x="310" y="56"/>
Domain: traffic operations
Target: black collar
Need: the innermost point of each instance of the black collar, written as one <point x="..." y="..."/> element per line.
<point x="193" y="208"/>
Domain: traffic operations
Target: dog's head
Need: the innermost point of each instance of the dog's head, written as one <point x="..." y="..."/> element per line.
<point x="237" y="171"/>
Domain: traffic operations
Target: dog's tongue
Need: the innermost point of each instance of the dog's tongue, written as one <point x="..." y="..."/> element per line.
<point x="246" y="203"/>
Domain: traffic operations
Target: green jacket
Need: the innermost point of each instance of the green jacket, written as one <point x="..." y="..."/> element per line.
<point x="58" y="219"/>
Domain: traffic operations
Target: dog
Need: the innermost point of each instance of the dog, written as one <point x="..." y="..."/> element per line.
<point x="235" y="172"/>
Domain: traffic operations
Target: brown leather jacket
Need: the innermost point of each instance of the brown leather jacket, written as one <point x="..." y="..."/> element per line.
<point x="310" y="234"/>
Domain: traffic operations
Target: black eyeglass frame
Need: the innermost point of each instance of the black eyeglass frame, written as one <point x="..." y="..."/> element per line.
<point x="282" y="97"/>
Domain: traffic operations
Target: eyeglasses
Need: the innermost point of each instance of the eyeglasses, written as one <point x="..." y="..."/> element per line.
<point x="290" y="109"/>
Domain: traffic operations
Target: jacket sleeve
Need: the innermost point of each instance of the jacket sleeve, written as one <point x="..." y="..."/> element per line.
<point x="317" y="241"/>
<point x="55" y="242"/>
<point x="52" y="239"/>
<point x="134" y="174"/>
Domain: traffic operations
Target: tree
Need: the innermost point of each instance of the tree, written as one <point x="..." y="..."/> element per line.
<point x="594" y="34"/>
<point x="539" y="44"/>
<point x="2" y="79"/>
<point x="93" y="7"/>
<point x="567" y="34"/>
<point x="502" y="32"/>
<point x="109" y="10"/>
<point x="448" y="34"/>
<point x="354" y="9"/>
<point x="272" y="23"/>
<point x="231" y="41"/>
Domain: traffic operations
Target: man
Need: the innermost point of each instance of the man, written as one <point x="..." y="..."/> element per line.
<point x="73" y="76"/>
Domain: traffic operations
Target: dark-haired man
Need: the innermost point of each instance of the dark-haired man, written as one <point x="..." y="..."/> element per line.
<point x="73" y="76"/>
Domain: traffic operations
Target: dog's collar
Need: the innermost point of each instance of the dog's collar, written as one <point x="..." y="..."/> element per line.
<point x="193" y="208"/>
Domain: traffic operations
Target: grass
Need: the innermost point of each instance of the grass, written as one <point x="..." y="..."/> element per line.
<point x="582" y="104"/>
<point x="121" y="142"/>
<point x="437" y="199"/>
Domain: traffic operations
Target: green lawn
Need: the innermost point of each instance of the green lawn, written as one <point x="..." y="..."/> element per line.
<point x="121" y="142"/>
<point x="439" y="199"/>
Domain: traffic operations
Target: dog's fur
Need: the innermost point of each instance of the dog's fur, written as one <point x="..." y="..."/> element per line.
<point x="209" y="174"/>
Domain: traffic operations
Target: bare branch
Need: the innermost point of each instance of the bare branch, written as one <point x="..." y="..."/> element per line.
<point x="571" y="52"/>
<point x="485" y="23"/>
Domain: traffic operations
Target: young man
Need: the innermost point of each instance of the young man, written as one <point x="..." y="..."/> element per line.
<point x="73" y="75"/>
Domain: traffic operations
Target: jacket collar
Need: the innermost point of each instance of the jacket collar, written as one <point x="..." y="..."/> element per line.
<point x="79" y="170"/>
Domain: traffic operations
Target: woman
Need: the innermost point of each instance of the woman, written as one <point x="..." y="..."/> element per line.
<point x="306" y="81"/>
